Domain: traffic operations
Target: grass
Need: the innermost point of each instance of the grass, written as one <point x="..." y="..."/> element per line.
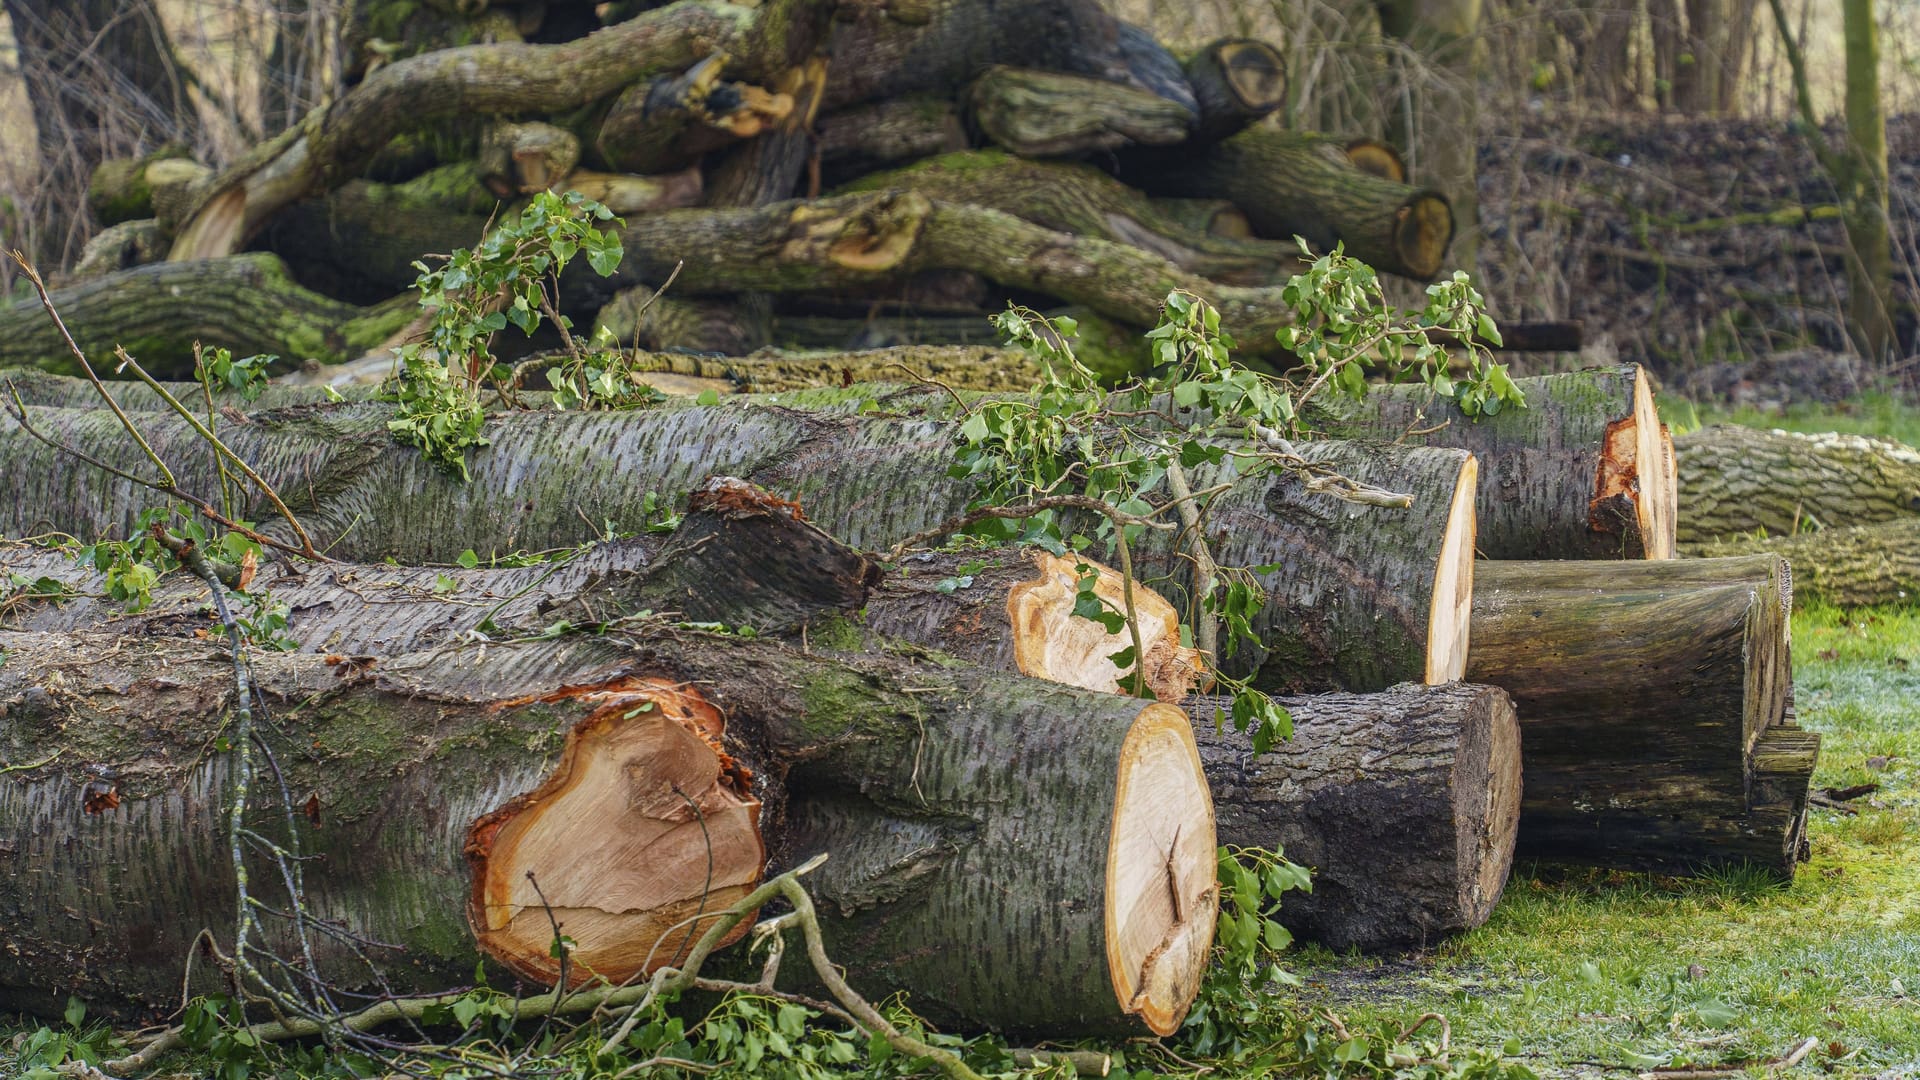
<point x="1869" y="414"/>
<point x="1596" y="971"/>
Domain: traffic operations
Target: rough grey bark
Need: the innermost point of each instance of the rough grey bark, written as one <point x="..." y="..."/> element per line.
<point x="1741" y="480"/>
<point x="1352" y="588"/>
<point x="1404" y="803"/>
<point x="414" y="750"/>
<point x="1648" y="692"/>
<point x="1560" y="479"/>
<point x="1849" y="567"/>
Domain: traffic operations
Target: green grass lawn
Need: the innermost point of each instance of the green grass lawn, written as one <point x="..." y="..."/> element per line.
<point x="1596" y="971"/>
<point x="1869" y="414"/>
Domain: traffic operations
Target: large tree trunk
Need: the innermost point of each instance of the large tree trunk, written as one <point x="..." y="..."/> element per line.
<point x="1404" y="803"/>
<point x="1848" y="567"/>
<point x="1583" y="472"/>
<point x="1007" y="610"/>
<point x="1649" y="694"/>
<point x="881" y="762"/>
<point x="1358" y="596"/>
<point x="1740" y="480"/>
<point x="246" y="303"/>
<point x="1301" y="185"/>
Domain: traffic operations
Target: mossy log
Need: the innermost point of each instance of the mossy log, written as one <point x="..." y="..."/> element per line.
<point x="118" y="247"/>
<point x="864" y="240"/>
<point x="246" y="303"/>
<point x="1041" y="114"/>
<point x="1847" y="567"/>
<point x="333" y="144"/>
<point x="1742" y="480"/>
<point x="726" y="326"/>
<point x="1582" y="472"/>
<point x="1357" y="596"/>
<point x="1081" y="200"/>
<point x="1293" y="184"/>
<point x="1404" y="803"/>
<point x="668" y="123"/>
<point x="858" y="139"/>
<point x="1237" y="83"/>
<point x="1652" y="697"/>
<point x="562" y="764"/>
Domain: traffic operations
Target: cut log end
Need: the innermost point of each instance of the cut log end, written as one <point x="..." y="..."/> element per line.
<point x="1161" y="896"/>
<point x="1487" y="825"/>
<point x="1254" y="72"/>
<point x="1050" y="642"/>
<point x="643" y="826"/>
<point x="1635" y="488"/>
<point x="1377" y="159"/>
<point x="1422" y="233"/>
<point x="1452" y="611"/>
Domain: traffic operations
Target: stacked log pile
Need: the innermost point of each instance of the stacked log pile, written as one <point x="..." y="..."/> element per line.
<point x="825" y="173"/>
<point x="635" y="734"/>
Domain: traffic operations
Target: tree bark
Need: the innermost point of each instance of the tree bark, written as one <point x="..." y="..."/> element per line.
<point x="1089" y="204"/>
<point x="333" y="144"/>
<point x="1847" y="567"/>
<point x="1357" y="596"/>
<point x="246" y="303"/>
<point x="1648" y="693"/>
<point x="1042" y="114"/>
<point x="725" y="326"/>
<point x="1581" y="473"/>
<point x="878" y="760"/>
<point x="668" y="123"/>
<point x="859" y="139"/>
<point x="1291" y="185"/>
<point x="1863" y="188"/>
<point x="1404" y="803"/>
<point x="1742" y="480"/>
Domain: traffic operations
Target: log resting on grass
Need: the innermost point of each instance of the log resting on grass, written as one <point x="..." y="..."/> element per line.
<point x="1582" y="472"/>
<point x="1358" y="595"/>
<point x="1851" y="567"/>
<point x="958" y="806"/>
<point x="1404" y="803"/>
<point x="246" y="303"/>
<point x="1742" y="480"/>
<point x="1649" y="693"/>
<point x="1295" y="184"/>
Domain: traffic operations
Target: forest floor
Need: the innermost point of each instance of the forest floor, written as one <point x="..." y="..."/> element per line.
<point x="1596" y="973"/>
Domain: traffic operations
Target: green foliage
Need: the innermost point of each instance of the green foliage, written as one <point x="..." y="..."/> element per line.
<point x="40" y="1053"/>
<point x="1344" y="327"/>
<point x="218" y="372"/>
<point x="511" y="278"/>
<point x="1127" y="450"/>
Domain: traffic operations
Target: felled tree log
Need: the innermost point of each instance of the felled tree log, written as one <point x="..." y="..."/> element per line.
<point x="246" y="303"/>
<point x="1237" y="82"/>
<point x="1216" y="217"/>
<point x="1378" y="158"/>
<point x="118" y="247"/>
<point x="880" y="762"/>
<point x="939" y="46"/>
<point x="1047" y="114"/>
<point x="1081" y="200"/>
<point x="1624" y="769"/>
<point x="731" y="326"/>
<point x="1741" y="480"/>
<point x="333" y="144"/>
<point x="1358" y="596"/>
<point x="1404" y="803"/>
<point x="668" y="123"/>
<point x="1848" y="567"/>
<point x="1007" y="610"/>
<point x="868" y="239"/>
<point x="861" y="138"/>
<point x="1581" y="473"/>
<point x="1303" y="185"/>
